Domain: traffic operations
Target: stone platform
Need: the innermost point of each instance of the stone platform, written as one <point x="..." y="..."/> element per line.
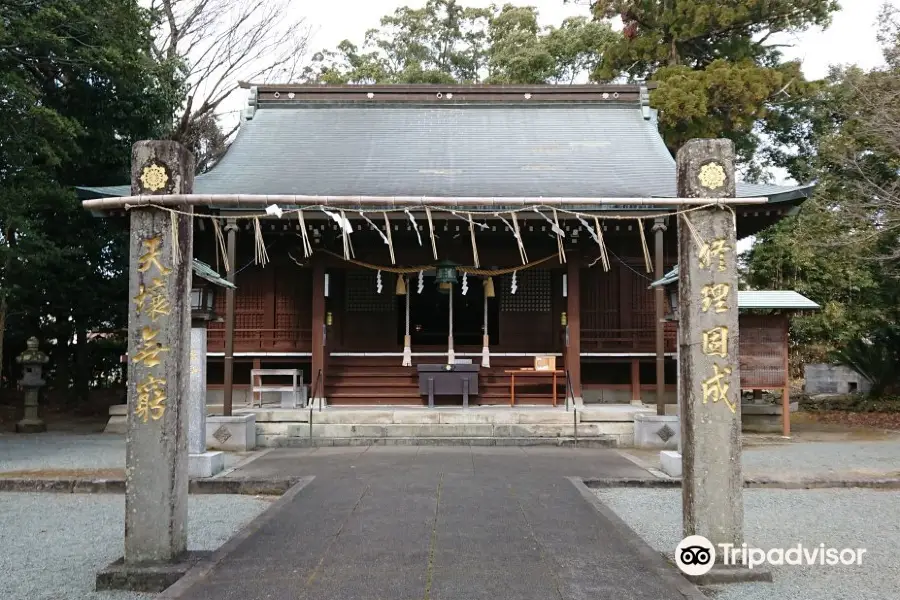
<point x="607" y="425"/>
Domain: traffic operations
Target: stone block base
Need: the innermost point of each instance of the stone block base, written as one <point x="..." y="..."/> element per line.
<point x="154" y="577"/>
<point x="206" y="464"/>
<point x="671" y="462"/>
<point x="31" y="426"/>
<point x="655" y="431"/>
<point x="236" y="433"/>
<point x="118" y="419"/>
<point x="763" y="418"/>
<point x="722" y="574"/>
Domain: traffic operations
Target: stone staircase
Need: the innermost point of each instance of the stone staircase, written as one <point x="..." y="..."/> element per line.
<point x="382" y="381"/>
<point x="608" y="426"/>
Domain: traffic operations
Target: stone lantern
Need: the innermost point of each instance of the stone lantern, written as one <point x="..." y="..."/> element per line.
<point x="32" y="361"/>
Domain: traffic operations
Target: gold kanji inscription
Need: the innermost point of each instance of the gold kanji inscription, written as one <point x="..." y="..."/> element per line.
<point x="154" y="299"/>
<point x="717" y="249"/>
<point x="150" y="258"/>
<point x="714" y="296"/>
<point x="716" y="387"/>
<point x="151" y="402"/>
<point x="150" y="349"/>
<point x="715" y="342"/>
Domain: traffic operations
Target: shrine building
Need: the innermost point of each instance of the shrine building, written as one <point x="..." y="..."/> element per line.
<point x="359" y="300"/>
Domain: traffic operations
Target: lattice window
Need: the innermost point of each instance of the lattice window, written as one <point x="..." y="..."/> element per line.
<point x="534" y="293"/>
<point x="361" y="294"/>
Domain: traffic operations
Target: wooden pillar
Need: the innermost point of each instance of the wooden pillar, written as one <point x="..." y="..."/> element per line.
<point x="159" y="326"/>
<point x="786" y="394"/>
<point x="231" y="229"/>
<point x="318" y="329"/>
<point x="659" y="227"/>
<point x="636" y="381"/>
<point x="712" y="485"/>
<point x="573" y="310"/>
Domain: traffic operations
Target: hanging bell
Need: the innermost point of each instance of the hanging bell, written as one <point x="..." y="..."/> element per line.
<point x="401" y="285"/>
<point x="445" y="276"/>
<point x="489" y="288"/>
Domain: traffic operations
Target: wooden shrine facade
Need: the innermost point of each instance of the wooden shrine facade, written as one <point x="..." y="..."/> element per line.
<point x="493" y="145"/>
<point x="600" y="324"/>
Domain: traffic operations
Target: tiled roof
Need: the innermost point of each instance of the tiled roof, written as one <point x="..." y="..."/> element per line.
<point x="483" y="150"/>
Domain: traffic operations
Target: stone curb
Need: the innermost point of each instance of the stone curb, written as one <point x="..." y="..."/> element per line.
<point x="653" y="560"/>
<point x="751" y="483"/>
<point x="246" y="487"/>
<point x="200" y="572"/>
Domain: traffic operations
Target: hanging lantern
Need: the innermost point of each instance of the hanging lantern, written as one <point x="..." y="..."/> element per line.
<point x="445" y="276"/>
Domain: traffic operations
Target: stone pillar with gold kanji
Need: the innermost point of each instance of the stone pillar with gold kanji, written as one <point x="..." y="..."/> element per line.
<point x="709" y="380"/>
<point x="159" y="323"/>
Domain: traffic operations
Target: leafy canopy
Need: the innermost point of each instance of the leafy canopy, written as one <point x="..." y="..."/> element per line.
<point x="718" y="70"/>
<point x="445" y="42"/>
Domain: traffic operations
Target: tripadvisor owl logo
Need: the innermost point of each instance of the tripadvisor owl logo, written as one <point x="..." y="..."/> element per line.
<point x="695" y="555"/>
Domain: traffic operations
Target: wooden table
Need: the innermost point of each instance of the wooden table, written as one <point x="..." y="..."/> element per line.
<point x="530" y="373"/>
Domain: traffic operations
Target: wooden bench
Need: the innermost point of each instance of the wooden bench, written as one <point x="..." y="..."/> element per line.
<point x="298" y="391"/>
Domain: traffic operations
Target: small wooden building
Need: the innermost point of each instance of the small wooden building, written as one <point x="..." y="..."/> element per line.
<point x="534" y="284"/>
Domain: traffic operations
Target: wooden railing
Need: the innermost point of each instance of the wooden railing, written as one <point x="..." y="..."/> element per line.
<point x="624" y="340"/>
<point x="249" y="340"/>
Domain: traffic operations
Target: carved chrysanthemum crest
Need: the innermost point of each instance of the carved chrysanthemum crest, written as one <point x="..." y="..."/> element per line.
<point x="712" y="176"/>
<point x="154" y="177"/>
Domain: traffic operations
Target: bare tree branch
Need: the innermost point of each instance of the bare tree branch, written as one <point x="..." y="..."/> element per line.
<point x="222" y="42"/>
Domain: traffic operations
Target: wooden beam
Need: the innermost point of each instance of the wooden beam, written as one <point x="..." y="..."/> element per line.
<point x="786" y="394"/>
<point x="318" y="328"/>
<point x="635" y="381"/>
<point x="573" y="310"/>
<point x="659" y="227"/>
<point x="231" y="228"/>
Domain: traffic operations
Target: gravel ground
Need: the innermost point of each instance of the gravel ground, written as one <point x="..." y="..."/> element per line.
<point x="61" y="451"/>
<point x="781" y="519"/>
<point x="53" y="544"/>
<point x="823" y="458"/>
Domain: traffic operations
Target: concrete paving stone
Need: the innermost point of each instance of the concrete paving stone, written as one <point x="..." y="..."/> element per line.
<point x="282" y="428"/>
<point x="560" y="417"/>
<point x="490" y="581"/>
<point x="344" y="430"/>
<point x="282" y="416"/>
<point x="472" y="416"/>
<point x="411" y="417"/>
<point x="509" y="526"/>
<point x="368" y="582"/>
<point x="350" y="417"/>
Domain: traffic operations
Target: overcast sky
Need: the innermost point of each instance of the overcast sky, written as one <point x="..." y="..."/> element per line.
<point x="850" y="39"/>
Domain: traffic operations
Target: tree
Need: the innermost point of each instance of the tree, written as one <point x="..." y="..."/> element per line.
<point x="718" y="71"/>
<point x="79" y="85"/>
<point x="213" y="45"/>
<point x="841" y="250"/>
<point x="445" y="42"/>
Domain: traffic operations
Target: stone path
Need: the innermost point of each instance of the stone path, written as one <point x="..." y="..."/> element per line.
<point x="440" y="524"/>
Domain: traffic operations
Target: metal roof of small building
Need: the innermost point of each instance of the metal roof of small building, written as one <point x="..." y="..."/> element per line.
<point x="482" y="149"/>
<point x="772" y="299"/>
<point x="204" y="271"/>
<point x="755" y="299"/>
